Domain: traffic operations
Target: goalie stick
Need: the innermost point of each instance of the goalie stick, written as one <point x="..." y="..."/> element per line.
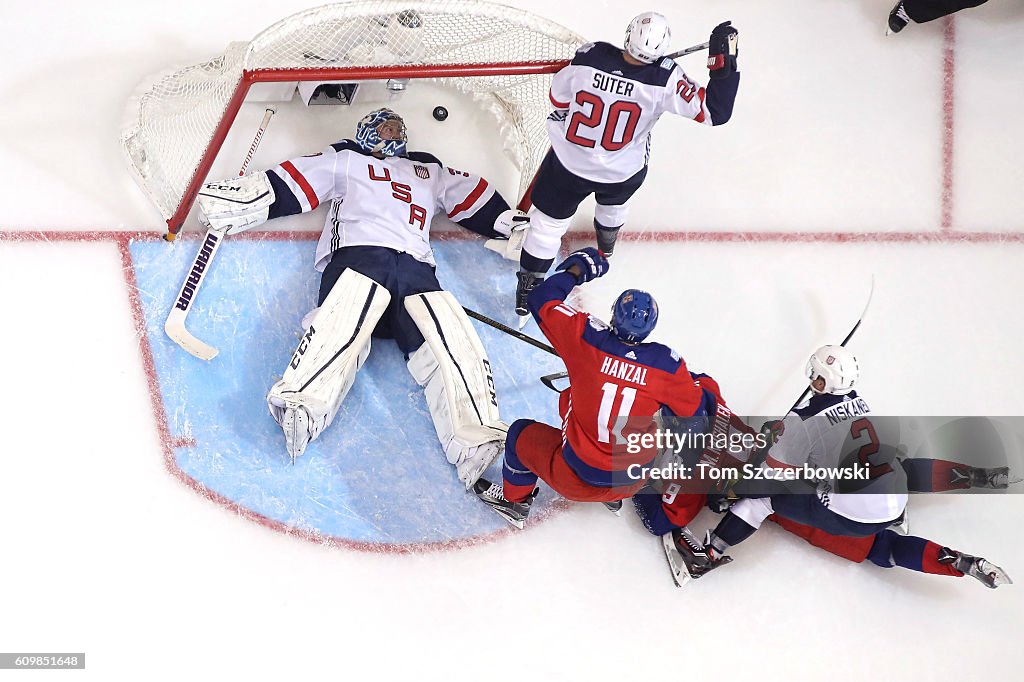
<point x="175" y="324"/>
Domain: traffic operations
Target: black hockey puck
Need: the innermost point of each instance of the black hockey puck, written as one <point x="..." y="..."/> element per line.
<point x="440" y="113"/>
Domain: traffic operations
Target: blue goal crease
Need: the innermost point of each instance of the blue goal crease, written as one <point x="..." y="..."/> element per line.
<point x="378" y="473"/>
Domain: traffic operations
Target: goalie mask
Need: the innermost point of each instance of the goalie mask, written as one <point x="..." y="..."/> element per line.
<point x="382" y="132"/>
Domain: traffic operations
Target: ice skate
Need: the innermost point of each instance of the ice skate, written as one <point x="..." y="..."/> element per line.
<point x="528" y="281"/>
<point x="997" y="478"/>
<point x="689" y="559"/>
<point x="982" y="570"/>
<point x="614" y="507"/>
<point x="605" y="239"/>
<point x="898" y="19"/>
<point x="515" y="513"/>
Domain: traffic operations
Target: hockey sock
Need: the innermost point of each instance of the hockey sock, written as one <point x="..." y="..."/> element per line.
<point x="908" y="551"/>
<point x="936" y="475"/>
<point x="531" y="263"/>
<point x="517" y="479"/>
<point x="731" y="530"/>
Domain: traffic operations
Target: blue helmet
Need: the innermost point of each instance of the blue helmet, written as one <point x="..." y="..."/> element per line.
<point x="634" y="315"/>
<point x="368" y="133"/>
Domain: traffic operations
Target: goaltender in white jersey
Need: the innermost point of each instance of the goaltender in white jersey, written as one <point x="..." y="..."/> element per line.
<point x="378" y="279"/>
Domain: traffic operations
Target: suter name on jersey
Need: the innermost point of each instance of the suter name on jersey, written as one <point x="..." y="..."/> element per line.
<point x="603" y="81"/>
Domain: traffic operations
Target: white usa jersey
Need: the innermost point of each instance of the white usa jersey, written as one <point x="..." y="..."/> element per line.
<point x="827" y="431"/>
<point x="387" y="202"/>
<point x="606" y="107"/>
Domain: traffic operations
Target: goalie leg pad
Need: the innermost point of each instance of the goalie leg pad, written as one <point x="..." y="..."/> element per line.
<point x="455" y="373"/>
<point x="324" y="365"/>
<point x="236" y="204"/>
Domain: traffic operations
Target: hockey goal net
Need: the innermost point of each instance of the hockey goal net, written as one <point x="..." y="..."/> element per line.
<point x="503" y="57"/>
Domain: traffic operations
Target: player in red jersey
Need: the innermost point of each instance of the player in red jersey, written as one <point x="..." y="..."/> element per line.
<point x="618" y="384"/>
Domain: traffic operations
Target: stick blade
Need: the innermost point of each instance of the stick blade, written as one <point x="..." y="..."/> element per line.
<point x="676" y="567"/>
<point x="174" y="327"/>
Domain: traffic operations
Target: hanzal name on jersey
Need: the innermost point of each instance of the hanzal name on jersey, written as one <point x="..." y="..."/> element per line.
<point x="846" y="410"/>
<point x="625" y="371"/>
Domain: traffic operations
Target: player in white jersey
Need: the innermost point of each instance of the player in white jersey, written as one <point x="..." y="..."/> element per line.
<point x="378" y="279"/>
<point x="606" y="102"/>
<point x="816" y="434"/>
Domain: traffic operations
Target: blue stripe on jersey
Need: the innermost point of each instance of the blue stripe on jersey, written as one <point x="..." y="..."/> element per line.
<point x="599" y="478"/>
<point x="647" y="354"/>
<point x="720" y="95"/>
<point x="608" y="58"/>
<point x="285" y="202"/>
<point x="820" y="402"/>
<point x="554" y="288"/>
<point x="424" y="157"/>
<point x="349" y="146"/>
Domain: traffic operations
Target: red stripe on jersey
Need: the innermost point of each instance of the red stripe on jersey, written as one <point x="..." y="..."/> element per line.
<point x="556" y="103"/>
<point x="303" y="184"/>
<point x="699" y="118"/>
<point x="477" y="192"/>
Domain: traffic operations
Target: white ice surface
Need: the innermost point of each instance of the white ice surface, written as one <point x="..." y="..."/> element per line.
<point x="836" y="129"/>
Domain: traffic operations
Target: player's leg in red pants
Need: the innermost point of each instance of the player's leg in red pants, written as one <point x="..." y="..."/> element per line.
<point x="885" y="549"/>
<point x="534" y="450"/>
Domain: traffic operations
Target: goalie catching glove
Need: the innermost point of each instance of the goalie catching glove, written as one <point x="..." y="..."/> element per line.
<point x="514" y="224"/>
<point x="234" y="205"/>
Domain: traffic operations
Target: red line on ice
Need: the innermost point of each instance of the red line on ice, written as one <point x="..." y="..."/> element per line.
<point x="948" y="120"/>
<point x="169" y="443"/>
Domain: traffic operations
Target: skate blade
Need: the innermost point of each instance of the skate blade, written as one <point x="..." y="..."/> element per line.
<point x="611" y="506"/>
<point x="522" y="321"/>
<point x="680" y="576"/>
<point x="514" y="520"/>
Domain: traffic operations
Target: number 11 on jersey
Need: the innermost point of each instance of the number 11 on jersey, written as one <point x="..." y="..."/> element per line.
<point x="605" y="418"/>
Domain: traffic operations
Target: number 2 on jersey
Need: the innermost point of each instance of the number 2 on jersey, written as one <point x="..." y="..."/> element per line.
<point x="595" y="118"/>
<point x="604" y="414"/>
<point x="863" y="426"/>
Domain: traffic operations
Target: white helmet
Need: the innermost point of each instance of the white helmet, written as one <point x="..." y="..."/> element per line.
<point x="648" y="37"/>
<point x="837" y="366"/>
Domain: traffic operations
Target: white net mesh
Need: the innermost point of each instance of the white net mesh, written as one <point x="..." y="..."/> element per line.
<point x="171" y="125"/>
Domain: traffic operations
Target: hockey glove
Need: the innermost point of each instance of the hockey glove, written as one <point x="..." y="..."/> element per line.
<point x="591" y="263"/>
<point x="772" y="431"/>
<point x="513" y="224"/>
<point x="723" y="48"/>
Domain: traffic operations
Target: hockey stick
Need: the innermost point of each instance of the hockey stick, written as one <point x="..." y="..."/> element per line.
<point x="871" y="292"/>
<point x="175" y="324"/>
<point x="689" y="50"/>
<point x="549" y="379"/>
<point x="510" y="331"/>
